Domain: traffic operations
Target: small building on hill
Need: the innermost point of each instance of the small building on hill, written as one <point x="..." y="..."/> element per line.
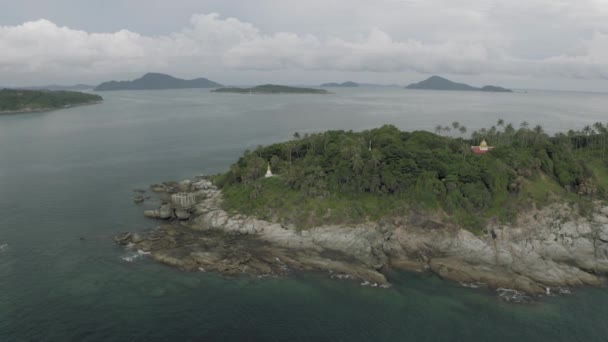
<point x="268" y="172"/>
<point x="482" y="148"/>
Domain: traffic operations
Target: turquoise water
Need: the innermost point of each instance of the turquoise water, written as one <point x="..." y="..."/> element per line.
<point x="69" y="174"/>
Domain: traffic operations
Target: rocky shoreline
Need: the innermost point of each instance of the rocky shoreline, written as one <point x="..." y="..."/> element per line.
<point x="545" y="251"/>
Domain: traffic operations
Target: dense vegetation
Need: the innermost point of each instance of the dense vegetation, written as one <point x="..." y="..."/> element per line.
<point x="16" y="100"/>
<point x="271" y="89"/>
<point x="343" y="176"/>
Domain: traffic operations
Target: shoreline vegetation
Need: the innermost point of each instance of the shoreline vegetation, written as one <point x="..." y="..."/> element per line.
<point x="529" y="215"/>
<point x="271" y="89"/>
<point x="15" y="101"/>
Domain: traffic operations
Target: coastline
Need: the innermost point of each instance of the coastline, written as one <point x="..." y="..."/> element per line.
<point x="546" y="251"/>
<point x="44" y="110"/>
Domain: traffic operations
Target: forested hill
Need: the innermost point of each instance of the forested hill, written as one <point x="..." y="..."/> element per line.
<point x="155" y="81"/>
<point x="345" y="176"/>
<point x="271" y="89"/>
<point x="19" y="100"/>
<point x="440" y="83"/>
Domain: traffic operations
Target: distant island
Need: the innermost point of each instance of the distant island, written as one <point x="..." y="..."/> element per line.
<point x="343" y="84"/>
<point x="271" y="89"/>
<point x="26" y="101"/>
<point x="75" y="87"/>
<point x="156" y="81"/>
<point x="440" y="83"/>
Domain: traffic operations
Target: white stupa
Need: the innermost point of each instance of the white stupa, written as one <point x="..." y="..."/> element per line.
<point x="268" y="172"/>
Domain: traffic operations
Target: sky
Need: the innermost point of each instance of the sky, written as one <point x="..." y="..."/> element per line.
<point x="524" y="44"/>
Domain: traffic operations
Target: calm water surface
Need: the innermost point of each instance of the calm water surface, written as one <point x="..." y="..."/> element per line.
<point x="69" y="174"/>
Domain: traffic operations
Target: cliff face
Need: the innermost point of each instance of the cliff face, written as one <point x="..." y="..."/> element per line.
<point x="545" y="249"/>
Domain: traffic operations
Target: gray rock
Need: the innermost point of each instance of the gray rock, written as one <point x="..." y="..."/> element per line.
<point x="152" y="214"/>
<point x="182" y="214"/>
<point x="165" y="211"/>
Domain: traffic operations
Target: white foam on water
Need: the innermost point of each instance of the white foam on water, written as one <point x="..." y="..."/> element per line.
<point x="134" y="256"/>
<point x="511" y="295"/>
<point x="3" y="247"/>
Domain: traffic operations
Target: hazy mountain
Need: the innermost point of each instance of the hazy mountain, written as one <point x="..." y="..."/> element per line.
<point x="440" y="83"/>
<point x="157" y="81"/>
<point x="344" y="84"/>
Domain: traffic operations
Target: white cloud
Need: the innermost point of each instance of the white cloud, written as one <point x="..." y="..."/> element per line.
<point x="475" y="40"/>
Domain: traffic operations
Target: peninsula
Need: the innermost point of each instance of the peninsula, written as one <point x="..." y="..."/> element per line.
<point x="156" y="81"/>
<point x="347" y="84"/>
<point x="440" y="83"/>
<point x="25" y="101"/>
<point x="504" y="208"/>
<point x="271" y="89"/>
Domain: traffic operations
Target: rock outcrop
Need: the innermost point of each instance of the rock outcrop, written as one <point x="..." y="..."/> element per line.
<point x="546" y="248"/>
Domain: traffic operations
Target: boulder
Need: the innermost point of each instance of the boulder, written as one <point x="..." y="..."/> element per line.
<point x="182" y="214"/>
<point x="123" y="239"/>
<point x="152" y="213"/>
<point x="165" y="211"/>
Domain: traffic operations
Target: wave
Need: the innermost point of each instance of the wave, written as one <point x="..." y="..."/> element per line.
<point x="133" y="256"/>
<point x="511" y="295"/>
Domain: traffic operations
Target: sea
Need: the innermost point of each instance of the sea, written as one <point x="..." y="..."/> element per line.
<point x="67" y="181"/>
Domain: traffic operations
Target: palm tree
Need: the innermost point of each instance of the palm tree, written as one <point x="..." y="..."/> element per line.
<point x="463" y="130"/>
<point x="523" y="127"/>
<point x="509" y="132"/>
<point x="538" y="130"/>
<point x="447" y="130"/>
<point x="438" y="129"/>
<point x="455" y="125"/>
<point x="602" y="135"/>
<point x="587" y="132"/>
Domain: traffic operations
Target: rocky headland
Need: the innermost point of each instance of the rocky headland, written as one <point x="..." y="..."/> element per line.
<point x="545" y="249"/>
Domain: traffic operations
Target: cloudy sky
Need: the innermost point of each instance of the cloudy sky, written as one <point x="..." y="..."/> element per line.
<point x="549" y="44"/>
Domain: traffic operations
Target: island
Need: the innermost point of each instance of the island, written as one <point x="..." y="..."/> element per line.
<point x="75" y="87"/>
<point x="26" y="101"/>
<point x="502" y="208"/>
<point x="157" y="81"/>
<point x="271" y="89"/>
<point x="347" y="84"/>
<point x="440" y="83"/>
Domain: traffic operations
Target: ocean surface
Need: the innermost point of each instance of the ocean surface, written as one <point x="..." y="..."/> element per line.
<point x="66" y="186"/>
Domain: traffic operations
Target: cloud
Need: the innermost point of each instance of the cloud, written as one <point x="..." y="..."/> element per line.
<point x="211" y="42"/>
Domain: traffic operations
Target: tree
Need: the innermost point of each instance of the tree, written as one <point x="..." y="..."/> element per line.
<point x="462" y="130"/>
<point x="438" y="129"/>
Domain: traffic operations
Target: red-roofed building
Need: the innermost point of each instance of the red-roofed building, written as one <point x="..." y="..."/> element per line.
<point x="482" y="148"/>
